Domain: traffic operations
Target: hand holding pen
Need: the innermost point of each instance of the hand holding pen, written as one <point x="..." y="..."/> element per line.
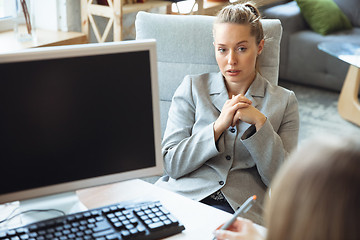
<point x="245" y="223"/>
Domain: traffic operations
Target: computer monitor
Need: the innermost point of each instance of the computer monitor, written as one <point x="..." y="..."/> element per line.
<point x="73" y="117"/>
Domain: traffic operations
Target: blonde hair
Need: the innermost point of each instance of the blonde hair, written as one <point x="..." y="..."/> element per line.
<point x="242" y="13"/>
<point x="316" y="193"/>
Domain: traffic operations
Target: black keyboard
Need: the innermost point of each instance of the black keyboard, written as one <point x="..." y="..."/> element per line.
<point x="127" y="220"/>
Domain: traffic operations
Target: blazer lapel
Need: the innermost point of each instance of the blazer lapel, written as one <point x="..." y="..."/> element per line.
<point x="219" y="94"/>
<point x="256" y="91"/>
<point x="218" y="91"/>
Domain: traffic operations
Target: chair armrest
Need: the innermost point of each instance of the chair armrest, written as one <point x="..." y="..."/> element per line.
<point x="289" y="15"/>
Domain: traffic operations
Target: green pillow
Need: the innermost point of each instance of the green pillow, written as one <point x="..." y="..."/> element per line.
<point x="323" y="16"/>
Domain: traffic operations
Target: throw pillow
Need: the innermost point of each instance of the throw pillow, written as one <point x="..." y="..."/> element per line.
<point x="323" y="16"/>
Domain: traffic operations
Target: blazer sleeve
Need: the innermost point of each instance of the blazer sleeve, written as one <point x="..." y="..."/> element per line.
<point x="183" y="150"/>
<point x="270" y="148"/>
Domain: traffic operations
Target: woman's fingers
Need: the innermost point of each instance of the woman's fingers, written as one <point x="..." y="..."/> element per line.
<point x="227" y="115"/>
<point x="240" y="229"/>
<point x="239" y="114"/>
<point x="241" y="98"/>
<point x="229" y="235"/>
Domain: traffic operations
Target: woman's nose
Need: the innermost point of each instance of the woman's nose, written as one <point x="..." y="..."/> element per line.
<point x="232" y="60"/>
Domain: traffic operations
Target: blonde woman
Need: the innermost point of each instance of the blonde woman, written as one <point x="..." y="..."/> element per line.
<point x="315" y="195"/>
<point x="228" y="132"/>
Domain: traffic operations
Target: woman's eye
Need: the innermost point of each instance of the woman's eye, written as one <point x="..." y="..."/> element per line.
<point x="241" y="49"/>
<point x="222" y="50"/>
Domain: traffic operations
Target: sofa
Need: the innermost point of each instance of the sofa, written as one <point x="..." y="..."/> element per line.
<point x="300" y="59"/>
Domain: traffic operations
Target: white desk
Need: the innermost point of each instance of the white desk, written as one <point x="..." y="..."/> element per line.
<point x="200" y="220"/>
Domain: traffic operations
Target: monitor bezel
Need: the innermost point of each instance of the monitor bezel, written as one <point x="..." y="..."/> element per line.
<point x="89" y="50"/>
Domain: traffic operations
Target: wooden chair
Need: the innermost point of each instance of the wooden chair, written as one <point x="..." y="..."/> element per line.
<point x="114" y="11"/>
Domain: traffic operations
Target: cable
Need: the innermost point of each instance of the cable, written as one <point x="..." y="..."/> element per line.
<point x="8" y="218"/>
<point x="27" y="211"/>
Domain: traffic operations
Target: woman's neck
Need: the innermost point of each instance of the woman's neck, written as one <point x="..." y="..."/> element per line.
<point x="239" y="88"/>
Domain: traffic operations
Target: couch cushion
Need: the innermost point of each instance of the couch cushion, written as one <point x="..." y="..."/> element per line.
<point x="309" y="65"/>
<point x="324" y="16"/>
<point x="351" y="8"/>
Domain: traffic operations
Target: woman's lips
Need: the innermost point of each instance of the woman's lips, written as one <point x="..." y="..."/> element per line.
<point x="233" y="72"/>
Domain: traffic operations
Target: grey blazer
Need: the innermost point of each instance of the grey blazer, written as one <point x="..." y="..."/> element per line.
<point x="243" y="162"/>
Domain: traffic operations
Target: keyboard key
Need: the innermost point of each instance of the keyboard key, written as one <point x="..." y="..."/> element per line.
<point x="113" y="208"/>
<point x="164" y="210"/>
<point x="113" y="236"/>
<point x="167" y="222"/>
<point x="118" y="225"/>
<point x="172" y="218"/>
<point x="24" y="237"/>
<point x="129" y="226"/>
<point x="133" y="231"/>
<point x="155" y="225"/>
<point x="141" y="229"/>
<point x="103" y="233"/>
<point x="70" y="236"/>
<point x="125" y="233"/>
<point x="159" y="214"/>
<point x="100" y="226"/>
<point x="148" y="221"/>
<point x="87" y="214"/>
<point x="118" y="214"/>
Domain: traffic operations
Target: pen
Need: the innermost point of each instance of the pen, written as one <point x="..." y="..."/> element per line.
<point x="243" y="209"/>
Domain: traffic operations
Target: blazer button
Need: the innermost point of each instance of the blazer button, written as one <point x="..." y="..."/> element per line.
<point x="228" y="157"/>
<point x="221" y="182"/>
<point x="232" y="130"/>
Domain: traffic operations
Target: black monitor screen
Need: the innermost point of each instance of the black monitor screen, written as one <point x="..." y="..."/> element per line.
<point x="67" y="119"/>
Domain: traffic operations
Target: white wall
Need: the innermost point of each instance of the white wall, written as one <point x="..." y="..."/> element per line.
<point x="46" y="15"/>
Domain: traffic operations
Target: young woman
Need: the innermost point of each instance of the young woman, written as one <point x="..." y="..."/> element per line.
<point x="314" y="196"/>
<point x="228" y="132"/>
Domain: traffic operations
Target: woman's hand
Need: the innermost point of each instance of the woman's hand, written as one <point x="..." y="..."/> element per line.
<point x="226" y="118"/>
<point x="250" y="115"/>
<point x="239" y="230"/>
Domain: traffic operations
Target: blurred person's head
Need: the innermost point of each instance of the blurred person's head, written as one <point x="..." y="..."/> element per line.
<point x="316" y="194"/>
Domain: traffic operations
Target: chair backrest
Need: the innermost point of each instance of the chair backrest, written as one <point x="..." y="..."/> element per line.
<point x="185" y="46"/>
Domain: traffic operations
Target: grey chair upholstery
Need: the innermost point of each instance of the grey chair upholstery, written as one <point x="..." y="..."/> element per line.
<point x="185" y="46"/>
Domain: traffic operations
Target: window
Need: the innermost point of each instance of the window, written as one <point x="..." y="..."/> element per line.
<point x="7" y="10"/>
<point x="49" y="14"/>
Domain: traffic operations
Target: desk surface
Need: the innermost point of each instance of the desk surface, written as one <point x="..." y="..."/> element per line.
<point x="200" y="220"/>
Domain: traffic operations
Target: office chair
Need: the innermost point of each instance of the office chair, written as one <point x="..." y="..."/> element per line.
<point x="185" y="46"/>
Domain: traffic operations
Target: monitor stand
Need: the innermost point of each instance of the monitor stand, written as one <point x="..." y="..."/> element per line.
<point x="66" y="202"/>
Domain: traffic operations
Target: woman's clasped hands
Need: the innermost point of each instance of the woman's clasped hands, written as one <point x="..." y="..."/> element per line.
<point x="235" y="109"/>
